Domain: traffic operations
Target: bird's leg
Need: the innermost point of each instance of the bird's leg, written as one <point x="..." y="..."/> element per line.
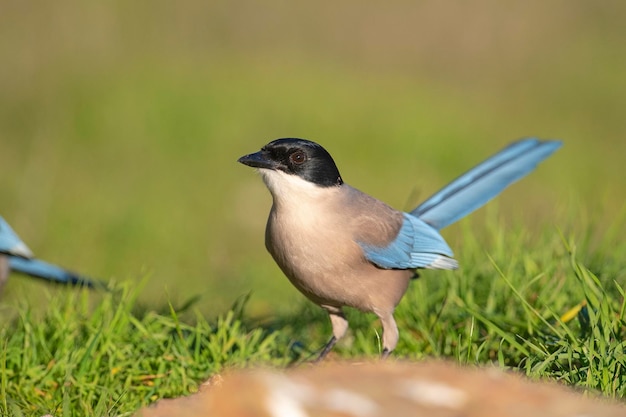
<point x="390" y="332"/>
<point x="4" y="271"/>
<point x="340" y="326"/>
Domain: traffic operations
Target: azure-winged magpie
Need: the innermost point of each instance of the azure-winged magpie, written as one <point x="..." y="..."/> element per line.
<point x="341" y="247"/>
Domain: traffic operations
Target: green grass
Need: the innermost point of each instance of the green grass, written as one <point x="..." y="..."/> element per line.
<point x="523" y="302"/>
<point x="110" y="359"/>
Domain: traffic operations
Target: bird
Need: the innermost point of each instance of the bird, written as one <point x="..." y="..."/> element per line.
<point x="16" y="256"/>
<point x="341" y="247"/>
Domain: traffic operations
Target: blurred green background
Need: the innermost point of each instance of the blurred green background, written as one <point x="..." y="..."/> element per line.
<point x="121" y="123"/>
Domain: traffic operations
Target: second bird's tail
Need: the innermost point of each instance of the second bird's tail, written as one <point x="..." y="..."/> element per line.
<point x="49" y="272"/>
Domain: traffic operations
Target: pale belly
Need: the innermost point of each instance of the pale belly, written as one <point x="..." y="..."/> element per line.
<point x="329" y="267"/>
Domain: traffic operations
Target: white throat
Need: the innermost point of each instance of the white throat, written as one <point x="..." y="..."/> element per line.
<point x="290" y="189"/>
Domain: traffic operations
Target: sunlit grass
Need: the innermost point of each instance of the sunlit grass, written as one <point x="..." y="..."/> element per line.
<point x="523" y="302"/>
<point x="108" y="360"/>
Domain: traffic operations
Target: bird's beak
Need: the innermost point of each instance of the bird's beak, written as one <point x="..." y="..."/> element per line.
<point x="258" y="160"/>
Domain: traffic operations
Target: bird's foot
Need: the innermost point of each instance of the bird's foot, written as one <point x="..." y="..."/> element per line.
<point x="326" y="349"/>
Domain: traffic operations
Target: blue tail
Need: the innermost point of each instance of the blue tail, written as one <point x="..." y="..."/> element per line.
<point x="40" y="269"/>
<point x="21" y="260"/>
<point x="476" y="187"/>
<point x="10" y="242"/>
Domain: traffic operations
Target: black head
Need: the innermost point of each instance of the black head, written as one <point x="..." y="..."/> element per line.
<point x="300" y="157"/>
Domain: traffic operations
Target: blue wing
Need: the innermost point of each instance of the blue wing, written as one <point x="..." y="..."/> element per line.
<point x="10" y="243"/>
<point x="49" y="272"/>
<point x="417" y="245"/>
<point x="482" y="183"/>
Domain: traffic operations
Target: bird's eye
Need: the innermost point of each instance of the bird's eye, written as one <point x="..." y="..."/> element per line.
<point x="297" y="157"/>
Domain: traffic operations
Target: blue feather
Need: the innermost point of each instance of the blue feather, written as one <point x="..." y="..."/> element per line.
<point x="49" y="272"/>
<point x="417" y="245"/>
<point x="476" y="187"/>
<point x="10" y="242"/>
<point x="20" y="260"/>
